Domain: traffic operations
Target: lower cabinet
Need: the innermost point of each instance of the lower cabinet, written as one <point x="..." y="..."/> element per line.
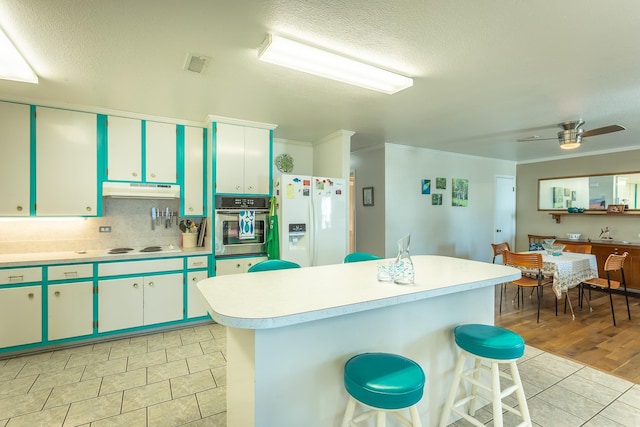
<point x="20" y="315"/>
<point x="236" y="265"/>
<point x="196" y="306"/>
<point x="139" y="301"/>
<point x="70" y="310"/>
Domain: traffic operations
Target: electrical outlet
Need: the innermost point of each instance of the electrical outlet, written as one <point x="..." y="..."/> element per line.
<point x="104" y="229"/>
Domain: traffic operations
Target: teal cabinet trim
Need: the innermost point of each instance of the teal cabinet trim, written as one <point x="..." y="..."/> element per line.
<point x="205" y="187"/>
<point x="144" y="150"/>
<point x="271" y="162"/>
<point x="32" y="166"/>
<point x="102" y="157"/>
<point x="180" y="161"/>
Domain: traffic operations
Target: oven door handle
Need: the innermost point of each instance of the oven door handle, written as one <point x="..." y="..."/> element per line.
<point x="235" y="212"/>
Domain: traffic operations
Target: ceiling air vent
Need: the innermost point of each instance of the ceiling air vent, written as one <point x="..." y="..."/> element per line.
<point x="196" y="63"/>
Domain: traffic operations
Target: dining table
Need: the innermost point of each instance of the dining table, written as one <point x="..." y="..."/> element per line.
<point x="569" y="269"/>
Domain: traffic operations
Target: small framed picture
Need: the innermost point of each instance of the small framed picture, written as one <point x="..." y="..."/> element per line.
<point x="367" y="196"/>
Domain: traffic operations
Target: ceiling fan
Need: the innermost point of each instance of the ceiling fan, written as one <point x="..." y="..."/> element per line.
<point x="571" y="134"/>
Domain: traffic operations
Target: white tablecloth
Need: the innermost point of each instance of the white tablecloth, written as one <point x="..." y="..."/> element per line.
<point x="569" y="270"/>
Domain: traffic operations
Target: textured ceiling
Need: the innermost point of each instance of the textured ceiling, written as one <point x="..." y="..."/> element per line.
<point x="485" y="72"/>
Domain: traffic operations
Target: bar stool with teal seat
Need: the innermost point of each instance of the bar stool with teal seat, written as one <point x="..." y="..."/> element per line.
<point x="489" y="346"/>
<point x="360" y="256"/>
<point x="272" y="264"/>
<point x="383" y="383"/>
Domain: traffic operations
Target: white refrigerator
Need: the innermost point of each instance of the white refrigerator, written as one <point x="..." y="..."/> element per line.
<point x="312" y="217"/>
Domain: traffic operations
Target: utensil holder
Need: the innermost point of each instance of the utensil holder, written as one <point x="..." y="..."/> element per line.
<point x="189" y="240"/>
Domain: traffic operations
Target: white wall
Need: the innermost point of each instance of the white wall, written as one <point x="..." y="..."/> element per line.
<point x="331" y="155"/>
<point x="301" y="152"/>
<point x="464" y="232"/>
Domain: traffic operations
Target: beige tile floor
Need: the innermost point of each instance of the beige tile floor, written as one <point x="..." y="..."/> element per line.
<point x="177" y="378"/>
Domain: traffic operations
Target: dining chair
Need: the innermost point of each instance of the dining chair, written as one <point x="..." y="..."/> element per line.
<point x="531" y="265"/>
<point x="360" y="256"/>
<point x="272" y="264"/>
<point x="577" y="248"/>
<point x="497" y="251"/>
<point x="613" y="263"/>
<point x="536" y="241"/>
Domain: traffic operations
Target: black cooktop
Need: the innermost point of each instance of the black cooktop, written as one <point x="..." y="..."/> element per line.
<point x="151" y="249"/>
<point x="120" y="250"/>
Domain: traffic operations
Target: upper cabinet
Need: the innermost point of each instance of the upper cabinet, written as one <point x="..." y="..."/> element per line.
<point x="141" y="151"/>
<point x="193" y="171"/>
<point x="124" y="149"/>
<point x="160" y="152"/>
<point x="66" y="163"/>
<point x="242" y="159"/>
<point x="15" y="162"/>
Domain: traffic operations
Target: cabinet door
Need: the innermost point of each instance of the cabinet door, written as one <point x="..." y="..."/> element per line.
<point x="66" y="163"/>
<point x="235" y="266"/>
<point x="124" y="149"/>
<point x="160" y="150"/>
<point x="163" y="298"/>
<point x="230" y="266"/>
<point x="120" y="303"/>
<point x="70" y="310"/>
<point x="256" y="161"/>
<point x="229" y="158"/>
<point x="20" y="315"/>
<point x="196" y="305"/>
<point x="15" y="162"/>
<point x="193" y="202"/>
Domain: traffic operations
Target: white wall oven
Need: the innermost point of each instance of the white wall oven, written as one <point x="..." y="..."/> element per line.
<point x="241" y="225"/>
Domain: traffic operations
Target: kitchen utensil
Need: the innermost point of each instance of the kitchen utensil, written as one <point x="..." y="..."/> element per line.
<point x="153" y="218"/>
<point x="183" y="226"/>
<point x="158" y="216"/>
<point x="166" y="218"/>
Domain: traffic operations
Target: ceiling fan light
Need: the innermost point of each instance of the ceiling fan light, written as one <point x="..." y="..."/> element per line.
<point x="570" y="139"/>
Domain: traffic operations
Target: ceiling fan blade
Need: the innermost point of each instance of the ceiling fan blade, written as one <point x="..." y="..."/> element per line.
<point x="603" y="130"/>
<point x="535" y="138"/>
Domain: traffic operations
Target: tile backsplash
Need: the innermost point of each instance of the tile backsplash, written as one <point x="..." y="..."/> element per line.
<point x="129" y="219"/>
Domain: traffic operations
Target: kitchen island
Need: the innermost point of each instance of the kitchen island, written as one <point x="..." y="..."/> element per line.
<point x="291" y="331"/>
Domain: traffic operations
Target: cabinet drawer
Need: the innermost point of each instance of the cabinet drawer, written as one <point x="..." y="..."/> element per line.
<point x="20" y="275"/>
<point x="197" y="262"/>
<point x="139" y="267"/>
<point x="71" y="271"/>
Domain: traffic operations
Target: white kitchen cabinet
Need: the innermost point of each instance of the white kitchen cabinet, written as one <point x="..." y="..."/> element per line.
<point x="66" y="163"/>
<point x="70" y="310"/>
<point x="236" y="265"/>
<point x="193" y="177"/>
<point x="20" y="315"/>
<point x="196" y="306"/>
<point x="15" y="162"/>
<point x="139" y="301"/>
<point x="242" y="159"/>
<point x="128" y="159"/>
<point x="160" y="150"/>
<point x="124" y="149"/>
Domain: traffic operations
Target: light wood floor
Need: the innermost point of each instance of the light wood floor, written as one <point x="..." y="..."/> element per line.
<point x="590" y="339"/>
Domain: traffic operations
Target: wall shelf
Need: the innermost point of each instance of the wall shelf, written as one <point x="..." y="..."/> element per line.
<point x="557" y="216"/>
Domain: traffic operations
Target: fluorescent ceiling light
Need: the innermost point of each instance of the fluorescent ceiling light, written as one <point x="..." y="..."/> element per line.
<point x="291" y="54"/>
<point x="12" y="64"/>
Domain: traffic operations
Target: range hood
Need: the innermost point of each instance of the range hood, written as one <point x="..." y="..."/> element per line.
<point x="135" y="190"/>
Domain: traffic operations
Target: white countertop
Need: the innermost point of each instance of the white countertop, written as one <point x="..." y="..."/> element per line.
<point x="279" y="298"/>
<point x="97" y="255"/>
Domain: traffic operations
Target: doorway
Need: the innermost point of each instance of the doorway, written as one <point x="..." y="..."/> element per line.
<point x="505" y="210"/>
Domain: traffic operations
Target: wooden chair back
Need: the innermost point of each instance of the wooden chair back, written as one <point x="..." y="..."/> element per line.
<point x="615" y="262"/>
<point x="522" y="260"/>
<point x="577" y="248"/>
<point x="498" y="248"/>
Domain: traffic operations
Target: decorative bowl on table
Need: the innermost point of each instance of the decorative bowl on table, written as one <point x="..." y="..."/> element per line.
<point x="554" y="249"/>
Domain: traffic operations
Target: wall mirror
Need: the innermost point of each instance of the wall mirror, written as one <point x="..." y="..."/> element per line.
<point x="592" y="192"/>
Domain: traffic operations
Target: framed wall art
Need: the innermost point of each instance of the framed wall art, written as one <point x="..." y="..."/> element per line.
<point x="367" y="196"/>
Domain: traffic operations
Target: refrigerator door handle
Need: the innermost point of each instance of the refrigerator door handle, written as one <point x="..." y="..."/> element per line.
<point x="312" y="232"/>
